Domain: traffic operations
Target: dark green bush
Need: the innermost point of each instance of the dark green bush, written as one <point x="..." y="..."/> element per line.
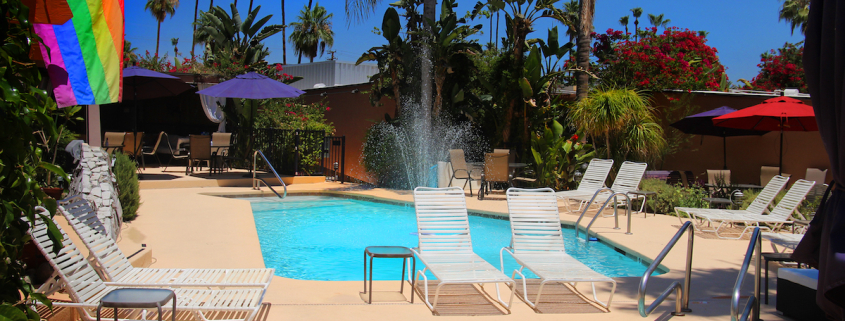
<point x="668" y="197"/>
<point x="126" y="174"/>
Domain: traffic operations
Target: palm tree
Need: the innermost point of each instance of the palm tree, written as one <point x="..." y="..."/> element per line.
<point x="582" y="78"/>
<point x="624" y="22"/>
<point x="657" y="21"/>
<point x="359" y="10"/>
<point x="605" y="113"/>
<point x="160" y="9"/>
<point x="312" y="32"/>
<point x="193" y="39"/>
<point x="795" y="12"/>
<point x="220" y="31"/>
<point x="284" y="36"/>
<point x="571" y="15"/>
<point x="637" y="13"/>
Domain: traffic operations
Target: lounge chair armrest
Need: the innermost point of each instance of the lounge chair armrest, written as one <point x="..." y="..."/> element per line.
<point x="502" y="256"/>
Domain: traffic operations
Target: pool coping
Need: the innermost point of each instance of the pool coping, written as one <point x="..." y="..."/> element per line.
<point x="621" y="249"/>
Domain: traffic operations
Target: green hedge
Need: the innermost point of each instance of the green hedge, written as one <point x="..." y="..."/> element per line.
<point x="126" y="174"/>
<point x="668" y="196"/>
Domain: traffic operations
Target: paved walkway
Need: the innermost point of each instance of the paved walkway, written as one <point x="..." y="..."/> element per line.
<point x="191" y="227"/>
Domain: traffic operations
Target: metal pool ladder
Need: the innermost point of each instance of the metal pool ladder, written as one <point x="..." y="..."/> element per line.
<point x="752" y="306"/>
<point x="615" y="212"/>
<point x="256" y="185"/>
<point x="681" y="290"/>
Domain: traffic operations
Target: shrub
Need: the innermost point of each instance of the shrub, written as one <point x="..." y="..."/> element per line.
<point x="125" y="173"/>
<point x="668" y="197"/>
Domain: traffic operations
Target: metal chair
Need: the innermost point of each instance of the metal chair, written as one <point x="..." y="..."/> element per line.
<point x="151" y="151"/>
<point x="495" y="171"/>
<point x="132" y="147"/>
<point x="220" y="143"/>
<point x="113" y="141"/>
<point x="460" y="169"/>
<point x="175" y="153"/>
<point x="200" y="151"/>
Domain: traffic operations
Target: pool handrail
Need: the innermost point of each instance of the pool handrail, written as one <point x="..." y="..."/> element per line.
<point x="752" y="306"/>
<point x="255" y="179"/>
<point x="615" y="212"/>
<point x="681" y="291"/>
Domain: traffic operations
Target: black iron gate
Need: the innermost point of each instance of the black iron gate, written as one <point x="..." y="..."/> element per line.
<point x="334" y="158"/>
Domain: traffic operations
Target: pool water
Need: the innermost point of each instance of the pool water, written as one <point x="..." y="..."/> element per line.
<point x="323" y="238"/>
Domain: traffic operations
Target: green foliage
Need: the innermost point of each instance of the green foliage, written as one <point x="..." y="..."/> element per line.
<point x="24" y="110"/>
<point x="668" y="197"/>
<point x="291" y="113"/>
<point x="622" y="118"/>
<point x="129" y="193"/>
<point x="556" y="158"/>
<point x="312" y="32"/>
<point x="390" y="59"/>
<point x="379" y="155"/>
<point x="228" y="38"/>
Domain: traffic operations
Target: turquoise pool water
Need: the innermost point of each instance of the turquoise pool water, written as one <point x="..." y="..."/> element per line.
<point x="323" y="238"/>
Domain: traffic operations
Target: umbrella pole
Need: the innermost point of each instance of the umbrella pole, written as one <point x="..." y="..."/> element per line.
<point x="780" y="165"/>
<point x="725" y="151"/>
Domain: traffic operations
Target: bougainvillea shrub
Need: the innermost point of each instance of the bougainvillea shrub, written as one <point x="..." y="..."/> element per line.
<point x="781" y="69"/>
<point x="674" y="59"/>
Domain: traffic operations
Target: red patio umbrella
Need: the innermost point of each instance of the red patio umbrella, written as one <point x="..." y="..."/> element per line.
<point x="775" y="114"/>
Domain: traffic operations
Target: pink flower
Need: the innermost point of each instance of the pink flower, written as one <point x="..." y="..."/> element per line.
<point x="327" y="108"/>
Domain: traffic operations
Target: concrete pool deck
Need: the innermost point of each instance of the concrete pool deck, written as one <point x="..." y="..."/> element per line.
<point x="196" y="228"/>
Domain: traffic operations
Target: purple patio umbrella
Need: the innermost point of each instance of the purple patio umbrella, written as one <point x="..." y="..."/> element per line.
<point x="702" y="124"/>
<point x="252" y="86"/>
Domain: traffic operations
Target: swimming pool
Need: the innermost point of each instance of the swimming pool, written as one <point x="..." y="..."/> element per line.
<point x="323" y="238"/>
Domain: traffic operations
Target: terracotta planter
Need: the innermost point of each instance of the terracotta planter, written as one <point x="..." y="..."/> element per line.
<point x="54" y="192"/>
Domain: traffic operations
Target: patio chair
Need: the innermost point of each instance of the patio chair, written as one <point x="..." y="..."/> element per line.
<point x="537" y="244"/>
<point x="172" y="143"/>
<point x="85" y="288"/>
<point x="460" y="169"/>
<point x="113" y="141"/>
<point x="200" y="152"/>
<point x="767" y="172"/>
<point x="592" y="180"/>
<point x="820" y="177"/>
<point x="132" y="147"/>
<point x="445" y="245"/>
<point x="627" y="180"/>
<point x="115" y="268"/>
<point x="220" y="143"/>
<point x="495" y="171"/>
<point x="153" y="151"/>
<point x="759" y="205"/>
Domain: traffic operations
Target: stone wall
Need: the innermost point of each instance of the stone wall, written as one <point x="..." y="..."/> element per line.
<point x="94" y="179"/>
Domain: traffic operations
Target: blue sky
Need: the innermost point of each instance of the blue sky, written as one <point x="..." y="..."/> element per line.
<point x="740" y="30"/>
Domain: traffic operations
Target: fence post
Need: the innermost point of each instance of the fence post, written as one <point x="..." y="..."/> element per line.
<point x="296" y="152"/>
<point x="342" y="159"/>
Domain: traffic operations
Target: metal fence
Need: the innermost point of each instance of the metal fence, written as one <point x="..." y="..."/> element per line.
<point x="292" y="152"/>
<point x="333" y="158"/>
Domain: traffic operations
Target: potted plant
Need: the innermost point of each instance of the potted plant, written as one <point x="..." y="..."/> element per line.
<point x="51" y="144"/>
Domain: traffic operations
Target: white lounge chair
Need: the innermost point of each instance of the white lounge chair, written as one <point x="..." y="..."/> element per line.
<point x="593" y="180"/>
<point x="445" y="245"/>
<point x="86" y="288"/>
<point x="115" y="268"/>
<point x="780" y="215"/>
<point x="627" y="180"/>
<point x="537" y="244"/>
<point x="758" y="206"/>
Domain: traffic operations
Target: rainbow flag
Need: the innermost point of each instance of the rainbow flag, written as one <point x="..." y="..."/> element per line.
<point x="85" y="60"/>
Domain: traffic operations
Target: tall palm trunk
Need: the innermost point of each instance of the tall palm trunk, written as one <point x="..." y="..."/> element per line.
<point x="636" y="29"/>
<point x="284" y="37"/>
<point x="158" y="36"/>
<point x="210" y="5"/>
<point x="582" y="78"/>
<point x="250" y="6"/>
<point x="520" y="32"/>
<point x="236" y="3"/>
<point x="194" y="35"/>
